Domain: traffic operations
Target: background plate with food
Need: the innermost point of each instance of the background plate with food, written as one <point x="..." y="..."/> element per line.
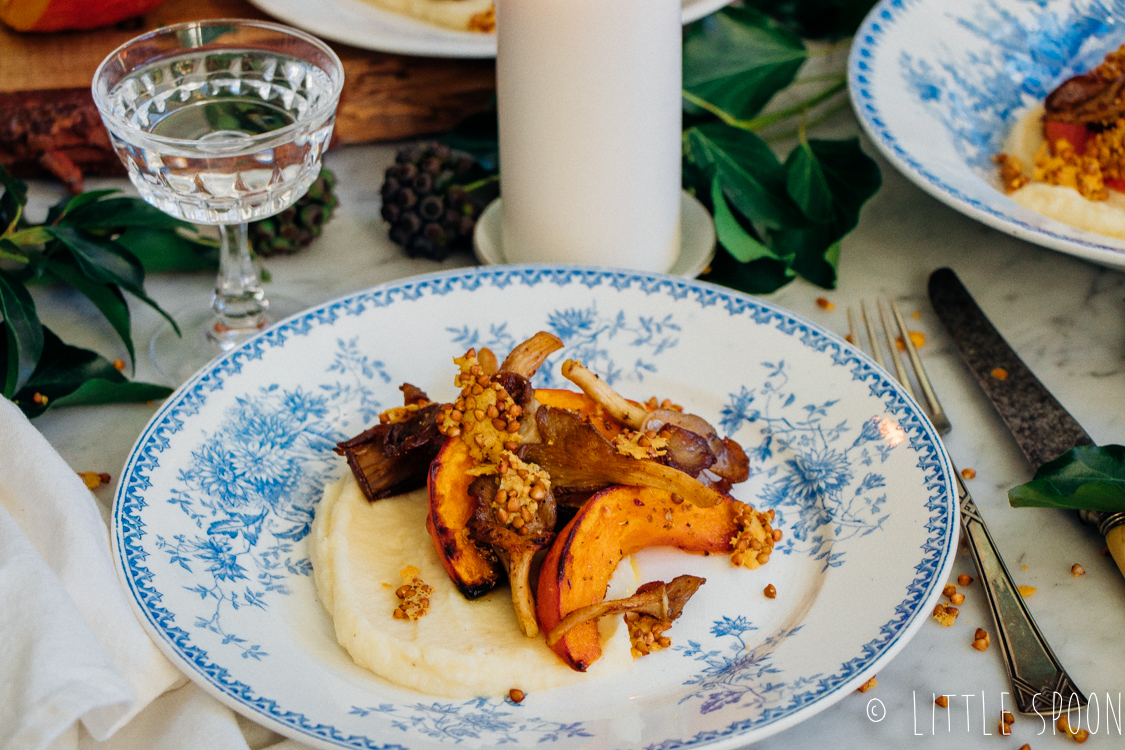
<point x="370" y="24"/>
<point x="940" y="88"/>
<point x="212" y="520"/>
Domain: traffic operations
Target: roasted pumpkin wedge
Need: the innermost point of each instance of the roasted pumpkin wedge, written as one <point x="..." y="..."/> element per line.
<point x="620" y="521"/>
<point x="473" y="570"/>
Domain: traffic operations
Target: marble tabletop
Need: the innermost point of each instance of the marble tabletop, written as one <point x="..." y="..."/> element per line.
<point x="1065" y="317"/>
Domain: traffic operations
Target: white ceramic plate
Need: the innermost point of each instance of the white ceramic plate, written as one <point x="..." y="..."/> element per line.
<point x="938" y="85"/>
<point x="211" y="516"/>
<point x="367" y="26"/>
<point x="697" y="237"/>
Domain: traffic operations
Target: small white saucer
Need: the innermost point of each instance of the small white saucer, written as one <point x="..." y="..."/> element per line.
<point x="697" y="238"/>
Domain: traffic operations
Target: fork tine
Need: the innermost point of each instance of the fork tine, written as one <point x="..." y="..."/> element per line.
<point x="871" y="340"/>
<point x="937" y="414"/>
<point x="900" y="371"/>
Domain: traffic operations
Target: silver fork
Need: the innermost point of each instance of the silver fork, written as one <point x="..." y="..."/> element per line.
<point x="1038" y="679"/>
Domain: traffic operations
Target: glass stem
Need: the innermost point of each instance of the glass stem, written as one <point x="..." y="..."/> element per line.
<point x="240" y="302"/>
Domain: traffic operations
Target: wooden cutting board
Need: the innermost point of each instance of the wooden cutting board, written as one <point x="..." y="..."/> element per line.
<point x="47" y="117"/>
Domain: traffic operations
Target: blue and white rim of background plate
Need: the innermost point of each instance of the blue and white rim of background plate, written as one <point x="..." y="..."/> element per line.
<point x="938" y="85"/>
<point x="934" y="521"/>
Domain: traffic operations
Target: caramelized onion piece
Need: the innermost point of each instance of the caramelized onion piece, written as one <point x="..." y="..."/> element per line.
<point x="664" y="601"/>
<point x="526" y="358"/>
<point x="730" y="460"/>
<point x="580" y="459"/>
<point x="686" y="450"/>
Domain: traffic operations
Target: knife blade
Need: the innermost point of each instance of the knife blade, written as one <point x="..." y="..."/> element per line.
<point x="1041" y="426"/>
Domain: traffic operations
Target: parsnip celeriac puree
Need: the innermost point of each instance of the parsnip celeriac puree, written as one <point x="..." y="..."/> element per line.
<point x="461" y="648"/>
<point x="1056" y="201"/>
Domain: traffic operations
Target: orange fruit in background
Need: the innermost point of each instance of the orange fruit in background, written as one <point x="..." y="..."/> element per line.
<point x="57" y="15"/>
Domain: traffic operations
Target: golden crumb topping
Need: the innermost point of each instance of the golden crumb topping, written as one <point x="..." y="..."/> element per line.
<point x="1058" y="164"/>
<point x="752" y="546"/>
<point x="414" y="595"/>
<point x="646" y="633"/>
<point x="484" y="415"/>
<point x="1108" y="149"/>
<point x="484" y="22"/>
<point x="523" y="486"/>
<point x="1011" y="172"/>
<point x="397" y="414"/>
<point x="638" y="444"/>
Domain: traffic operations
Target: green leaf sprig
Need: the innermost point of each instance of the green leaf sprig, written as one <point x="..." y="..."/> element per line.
<point x="774" y="220"/>
<point x="1085" y="478"/>
<point x="100" y="244"/>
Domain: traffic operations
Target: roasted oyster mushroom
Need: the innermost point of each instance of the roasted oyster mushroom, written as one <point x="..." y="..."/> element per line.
<point x="514" y="526"/>
<point x="580" y="459"/>
<point x="727" y="459"/>
<point x="663" y="601"/>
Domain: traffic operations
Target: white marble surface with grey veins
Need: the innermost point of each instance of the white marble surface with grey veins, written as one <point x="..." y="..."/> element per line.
<point x="1065" y="317"/>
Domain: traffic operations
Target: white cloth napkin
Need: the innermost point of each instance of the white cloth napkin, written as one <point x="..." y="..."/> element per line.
<point x="76" y="668"/>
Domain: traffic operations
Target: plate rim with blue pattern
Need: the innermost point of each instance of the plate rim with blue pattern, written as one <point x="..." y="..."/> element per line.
<point x="939" y="104"/>
<point x="216" y="497"/>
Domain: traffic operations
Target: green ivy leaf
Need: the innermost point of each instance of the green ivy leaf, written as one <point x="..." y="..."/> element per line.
<point x="1085" y="478"/>
<point x="737" y="59"/>
<point x="23" y="337"/>
<point x="751" y="175"/>
<point x="736" y="240"/>
<point x="113" y="213"/>
<point x="807" y="185"/>
<point x="817" y="19"/>
<point x="761" y="276"/>
<point x="68" y="375"/>
<point x="108" y="263"/>
<point x="851" y="175"/>
<point x="12" y="201"/>
<point x="106" y="297"/>
<point x="161" y="251"/>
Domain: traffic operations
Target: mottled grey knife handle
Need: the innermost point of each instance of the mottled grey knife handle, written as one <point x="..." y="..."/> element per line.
<point x="1035" y="671"/>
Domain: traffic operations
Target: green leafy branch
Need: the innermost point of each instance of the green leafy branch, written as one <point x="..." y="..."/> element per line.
<point x="774" y="220"/>
<point x="1085" y="478"/>
<point x="99" y="243"/>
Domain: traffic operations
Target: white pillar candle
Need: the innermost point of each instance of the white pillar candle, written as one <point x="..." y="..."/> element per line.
<point x="588" y="93"/>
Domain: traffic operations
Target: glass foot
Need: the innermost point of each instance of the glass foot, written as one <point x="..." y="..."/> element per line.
<point x="178" y="358"/>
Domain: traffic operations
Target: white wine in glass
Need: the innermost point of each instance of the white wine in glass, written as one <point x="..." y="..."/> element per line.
<point x="220" y="122"/>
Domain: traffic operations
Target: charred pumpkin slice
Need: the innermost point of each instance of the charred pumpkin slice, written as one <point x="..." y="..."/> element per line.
<point x="617" y="522"/>
<point x="473" y="570"/>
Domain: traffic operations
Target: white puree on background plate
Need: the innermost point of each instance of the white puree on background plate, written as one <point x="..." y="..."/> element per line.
<point x="461" y="648"/>
<point x="1055" y="201"/>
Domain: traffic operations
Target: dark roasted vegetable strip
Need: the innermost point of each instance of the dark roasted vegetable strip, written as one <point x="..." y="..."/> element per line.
<point x="390" y="459"/>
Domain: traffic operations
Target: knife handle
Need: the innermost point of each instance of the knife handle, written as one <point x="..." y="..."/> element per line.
<point x="1115" y="540"/>
<point x="1034" y="670"/>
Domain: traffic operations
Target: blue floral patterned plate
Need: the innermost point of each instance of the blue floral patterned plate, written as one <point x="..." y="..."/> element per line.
<point x="938" y="86"/>
<point x="210" y="521"/>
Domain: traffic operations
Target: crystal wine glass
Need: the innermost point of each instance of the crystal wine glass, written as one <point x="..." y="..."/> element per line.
<point x="220" y="122"/>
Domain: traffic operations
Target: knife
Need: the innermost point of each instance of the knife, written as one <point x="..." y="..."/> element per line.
<point x="1033" y="668"/>
<point x="1042" y="428"/>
